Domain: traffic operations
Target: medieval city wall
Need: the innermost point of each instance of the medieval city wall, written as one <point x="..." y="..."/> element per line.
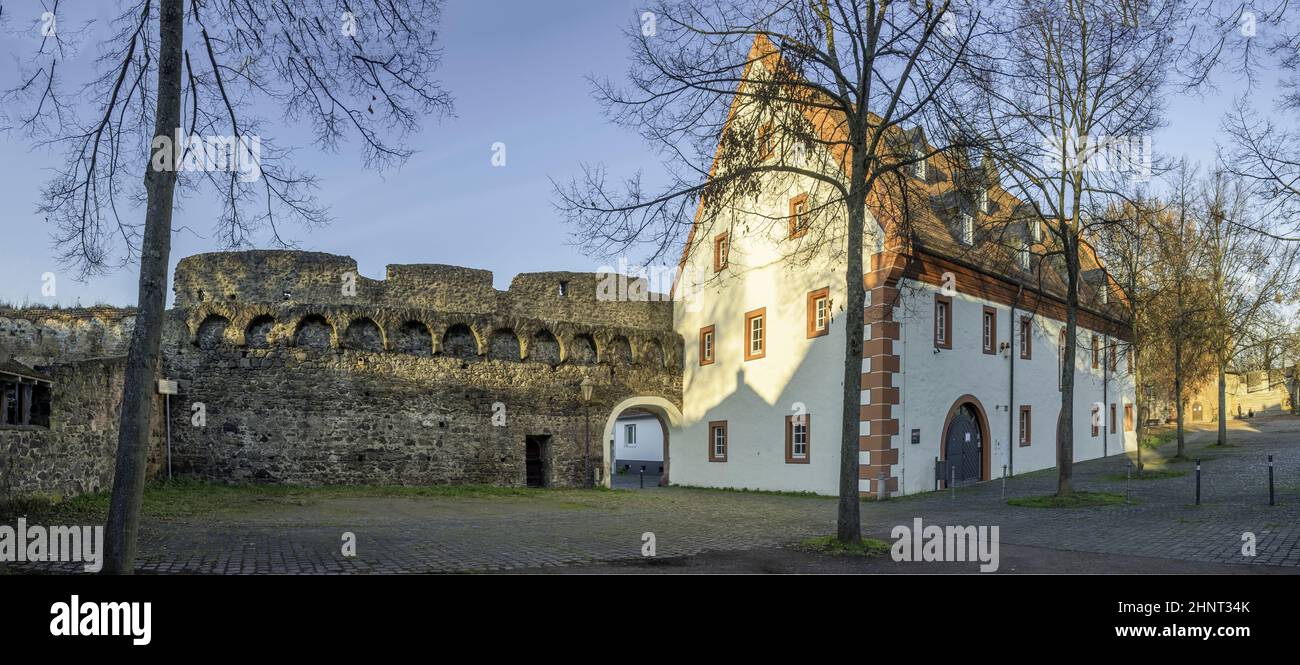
<point x="293" y="368"/>
<point x="430" y="376"/>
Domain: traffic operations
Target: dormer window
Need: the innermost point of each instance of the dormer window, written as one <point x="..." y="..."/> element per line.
<point x="1024" y="257"/>
<point x="967" y="230"/>
<point x="1035" y="231"/>
<point x="1104" y="295"/>
<point x="918" y="167"/>
<point x="984" y="201"/>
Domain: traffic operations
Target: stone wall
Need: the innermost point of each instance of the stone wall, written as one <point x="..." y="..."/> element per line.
<point x="302" y="382"/>
<point x="430" y="376"/>
<point x="76" y="454"/>
<point x="39" y="337"/>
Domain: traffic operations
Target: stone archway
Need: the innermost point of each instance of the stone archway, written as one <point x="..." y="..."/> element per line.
<point x="666" y="412"/>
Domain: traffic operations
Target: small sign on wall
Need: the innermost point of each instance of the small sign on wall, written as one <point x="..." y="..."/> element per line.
<point x="916" y="436"/>
<point x="166" y="387"/>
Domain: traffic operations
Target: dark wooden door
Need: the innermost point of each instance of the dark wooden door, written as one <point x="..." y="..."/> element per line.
<point x="965" y="446"/>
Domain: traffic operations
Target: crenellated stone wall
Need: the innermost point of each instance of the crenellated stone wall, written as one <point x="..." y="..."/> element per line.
<point x="293" y="368"/>
<point x="429" y="376"/>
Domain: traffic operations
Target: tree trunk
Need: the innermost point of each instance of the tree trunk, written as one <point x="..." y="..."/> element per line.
<point x="1178" y="395"/>
<point x="849" y="522"/>
<point x="142" y="360"/>
<point x="1223" y="405"/>
<point x="1065" y="423"/>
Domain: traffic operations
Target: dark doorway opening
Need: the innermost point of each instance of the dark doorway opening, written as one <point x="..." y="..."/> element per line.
<point x="535" y="459"/>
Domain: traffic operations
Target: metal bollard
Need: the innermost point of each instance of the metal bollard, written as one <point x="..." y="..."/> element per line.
<point x="642" y="476"/>
<point x="1128" y="478"/>
<point x="1004" y="481"/>
<point x="953" y="483"/>
<point x="1198" y="481"/>
<point x="1270" y="481"/>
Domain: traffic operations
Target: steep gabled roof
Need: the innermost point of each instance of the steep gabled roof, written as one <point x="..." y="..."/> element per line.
<point x="922" y="216"/>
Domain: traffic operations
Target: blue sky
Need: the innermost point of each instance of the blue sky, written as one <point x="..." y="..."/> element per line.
<point x="517" y="71"/>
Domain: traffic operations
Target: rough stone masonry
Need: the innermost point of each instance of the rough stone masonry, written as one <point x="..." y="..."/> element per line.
<point x="294" y="368"/>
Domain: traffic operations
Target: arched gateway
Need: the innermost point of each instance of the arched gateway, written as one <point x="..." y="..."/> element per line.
<point x="666" y="412"/>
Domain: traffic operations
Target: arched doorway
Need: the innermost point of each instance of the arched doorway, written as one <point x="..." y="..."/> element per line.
<point x="639" y="412"/>
<point x="965" y="442"/>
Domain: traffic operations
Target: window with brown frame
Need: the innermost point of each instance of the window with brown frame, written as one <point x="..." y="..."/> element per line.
<point x="1128" y="359"/>
<point x="942" y="322"/>
<point x="989" y="330"/>
<point x="819" y="312"/>
<point x="1026" y="426"/>
<point x="797" y="439"/>
<point x="756" y="334"/>
<point x="718" y="441"/>
<point x="706" y="345"/>
<point x="1128" y="417"/>
<point x="1112" y="418"/>
<point x="1095" y="416"/>
<point x="766" y="142"/>
<point x="799" y="216"/>
<point x="1096" y="351"/>
<point x="1112" y="356"/>
<point x="721" y="251"/>
<point x="1026" y="338"/>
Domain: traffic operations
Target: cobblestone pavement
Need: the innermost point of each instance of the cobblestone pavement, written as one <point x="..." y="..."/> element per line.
<point x="566" y="527"/>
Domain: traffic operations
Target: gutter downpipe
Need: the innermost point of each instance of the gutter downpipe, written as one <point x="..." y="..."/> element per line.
<point x="1012" y="440"/>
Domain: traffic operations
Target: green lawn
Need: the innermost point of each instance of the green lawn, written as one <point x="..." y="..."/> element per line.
<point x="832" y="546"/>
<point x="190" y="498"/>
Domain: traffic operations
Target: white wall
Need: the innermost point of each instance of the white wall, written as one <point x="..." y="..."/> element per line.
<point x="767" y="269"/>
<point x="649" y="444"/>
<point x="931" y="383"/>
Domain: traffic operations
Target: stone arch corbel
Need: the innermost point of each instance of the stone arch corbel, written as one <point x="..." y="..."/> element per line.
<point x="338" y="323"/>
<point x="481" y="328"/>
<point x="524" y="330"/>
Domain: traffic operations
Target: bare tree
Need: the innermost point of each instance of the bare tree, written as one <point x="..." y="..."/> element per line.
<point x="1183" y="309"/>
<point x="737" y="96"/>
<point x="1069" y="106"/>
<point x="1247" y="273"/>
<point x="1127" y="244"/>
<point x="172" y="70"/>
<point x="1253" y="38"/>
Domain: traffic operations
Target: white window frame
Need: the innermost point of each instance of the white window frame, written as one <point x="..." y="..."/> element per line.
<point x="821" y="309"/>
<point x="629" y="435"/>
<point x="967" y="230"/>
<point x="798" y="427"/>
<point x="756" y="335"/>
<point x="941" y="315"/>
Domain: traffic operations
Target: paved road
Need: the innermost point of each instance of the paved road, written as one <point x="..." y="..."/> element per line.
<point x="582" y="528"/>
